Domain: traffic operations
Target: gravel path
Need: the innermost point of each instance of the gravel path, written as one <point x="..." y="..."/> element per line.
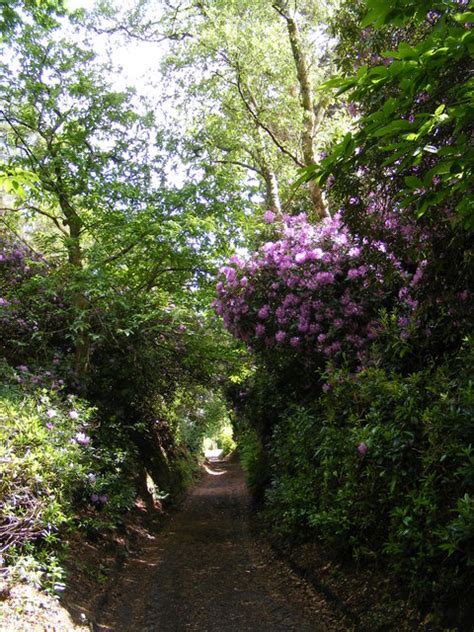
<point x="206" y="572"/>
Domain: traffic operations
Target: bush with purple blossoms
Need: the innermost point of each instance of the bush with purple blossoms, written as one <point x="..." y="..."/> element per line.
<point x="313" y="290"/>
<point x="33" y="316"/>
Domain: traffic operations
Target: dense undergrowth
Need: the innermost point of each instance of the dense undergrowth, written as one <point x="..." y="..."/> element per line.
<point x="356" y="424"/>
<point x="67" y="469"/>
<point x="380" y="468"/>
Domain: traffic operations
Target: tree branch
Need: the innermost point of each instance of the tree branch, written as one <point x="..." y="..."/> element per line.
<point x="239" y="164"/>
<point x="54" y="219"/>
<point x="260" y="123"/>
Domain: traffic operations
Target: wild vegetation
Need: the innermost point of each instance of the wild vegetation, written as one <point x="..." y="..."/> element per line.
<point x="322" y="181"/>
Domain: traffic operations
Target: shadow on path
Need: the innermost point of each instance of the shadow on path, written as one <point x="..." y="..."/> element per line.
<point x="206" y="572"/>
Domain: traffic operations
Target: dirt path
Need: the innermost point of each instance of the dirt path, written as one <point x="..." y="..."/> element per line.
<point x="206" y="572"/>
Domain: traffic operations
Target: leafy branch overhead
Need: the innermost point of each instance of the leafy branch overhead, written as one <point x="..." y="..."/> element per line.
<point x="421" y="132"/>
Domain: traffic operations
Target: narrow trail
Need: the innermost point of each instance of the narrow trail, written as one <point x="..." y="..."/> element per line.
<point x="205" y="571"/>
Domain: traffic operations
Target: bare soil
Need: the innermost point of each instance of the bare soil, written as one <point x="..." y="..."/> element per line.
<point x="206" y="571"/>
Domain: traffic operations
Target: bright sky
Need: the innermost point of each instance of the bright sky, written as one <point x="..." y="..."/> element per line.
<point x="139" y="60"/>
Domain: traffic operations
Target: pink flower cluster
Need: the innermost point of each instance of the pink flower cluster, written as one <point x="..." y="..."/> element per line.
<point x="311" y="290"/>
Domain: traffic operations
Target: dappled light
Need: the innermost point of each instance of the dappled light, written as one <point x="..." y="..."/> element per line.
<point x="236" y="310"/>
<point x="213" y="472"/>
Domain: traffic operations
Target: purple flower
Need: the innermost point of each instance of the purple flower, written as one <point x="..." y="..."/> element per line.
<point x="23" y="368"/>
<point x="237" y="260"/>
<point x="362" y="449"/>
<point x="94" y="498"/>
<point x="51" y="413"/>
<point x="280" y="336"/>
<point x="269" y="217"/>
<point x="82" y="438"/>
<point x="49" y="425"/>
<point x="73" y="414"/>
<point x="103" y="498"/>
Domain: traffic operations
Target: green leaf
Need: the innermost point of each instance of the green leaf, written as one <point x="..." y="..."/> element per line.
<point x="464" y="18"/>
<point x="413" y="182"/>
<point x="392" y="128"/>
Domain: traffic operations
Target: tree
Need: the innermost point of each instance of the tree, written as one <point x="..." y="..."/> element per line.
<point x="409" y="166"/>
<point x="13" y="12"/>
<point x="98" y="179"/>
<point x="246" y="75"/>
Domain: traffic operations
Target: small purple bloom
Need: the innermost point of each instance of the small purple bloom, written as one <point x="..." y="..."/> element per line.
<point x="51" y="413"/>
<point x="73" y="414"/>
<point x="362" y="449"/>
<point x="269" y="217"/>
<point x="280" y="336"/>
<point x="82" y="439"/>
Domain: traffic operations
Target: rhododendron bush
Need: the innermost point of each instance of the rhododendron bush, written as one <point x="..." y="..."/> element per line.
<point x="32" y="311"/>
<point x="315" y="289"/>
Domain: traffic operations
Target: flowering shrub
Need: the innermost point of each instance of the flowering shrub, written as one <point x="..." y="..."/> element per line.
<point x="408" y="165"/>
<point x="43" y="464"/>
<point x="32" y="314"/>
<point x="311" y="290"/>
<point x="52" y="468"/>
<point x="381" y="465"/>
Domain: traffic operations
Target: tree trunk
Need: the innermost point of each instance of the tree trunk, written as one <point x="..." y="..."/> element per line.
<point x="272" y="194"/>
<point x="79" y="299"/>
<point x="309" y="119"/>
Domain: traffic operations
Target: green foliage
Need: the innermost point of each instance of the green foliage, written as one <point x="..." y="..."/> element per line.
<point x="44" y="461"/>
<point x="419" y="119"/>
<point x="235" y="63"/>
<point x="54" y="467"/>
<point x="253" y="459"/>
<point x="13" y="13"/>
<point x="383" y="466"/>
